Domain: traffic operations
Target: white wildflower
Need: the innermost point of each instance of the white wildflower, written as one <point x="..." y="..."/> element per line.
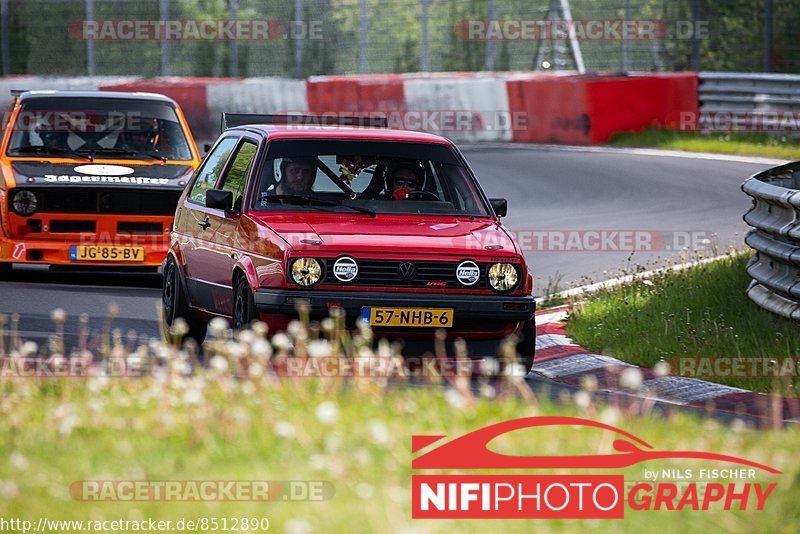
<point x="284" y="429"/>
<point x="662" y="369"/>
<point x="631" y="378"/>
<point x="18" y="461"/>
<point x="261" y="349"/>
<point x="218" y="363"/>
<point x="298" y="526"/>
<point x="379" y="432"/>
<point x="319" y="348"/>
<point x="218" y="326"/>
<point x="281" y="342"/>
<point x="364" y="490"/>
<point x="327" y="413"/>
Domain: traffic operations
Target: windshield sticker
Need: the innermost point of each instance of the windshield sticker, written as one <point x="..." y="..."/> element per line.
<point x="138" y="180"/>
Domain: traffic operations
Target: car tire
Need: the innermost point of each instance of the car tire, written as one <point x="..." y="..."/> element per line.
<point x="244" y="305"/>
<point x="5" y="269"/>
<point x="175" y="305"/>
<point x="526" y="345"/>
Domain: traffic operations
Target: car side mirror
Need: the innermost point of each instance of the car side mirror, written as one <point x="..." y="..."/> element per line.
<point x="207" y="148"/>
<point x="500" y="206"/>
<point x="219" y="199"/>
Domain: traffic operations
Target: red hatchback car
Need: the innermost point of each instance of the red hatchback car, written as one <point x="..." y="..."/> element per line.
<point x="390" y="226"/>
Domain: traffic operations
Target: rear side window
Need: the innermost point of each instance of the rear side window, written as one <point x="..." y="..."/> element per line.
<point x="237" y="173"/>
<point x="209" y="173"/>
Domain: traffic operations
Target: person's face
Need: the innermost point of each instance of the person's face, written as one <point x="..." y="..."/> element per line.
<point x="299" y="178"/>
<point x="404" y="178"/>
<point x="139" y="139"/>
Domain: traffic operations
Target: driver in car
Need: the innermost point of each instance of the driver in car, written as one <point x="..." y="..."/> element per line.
<point x="403" y="177"/>
<point x="144" y="139"/>
<point x="297" y="176"/>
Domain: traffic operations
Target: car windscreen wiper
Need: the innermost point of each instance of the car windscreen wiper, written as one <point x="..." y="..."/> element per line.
<point x="318" y="201"/>
<point x="41" y="149"/>
<point x="122" y="152"/>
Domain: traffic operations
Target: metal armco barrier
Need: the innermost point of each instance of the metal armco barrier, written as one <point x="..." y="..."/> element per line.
<point x="735" y="92"/>
<point x="775" y="218"/>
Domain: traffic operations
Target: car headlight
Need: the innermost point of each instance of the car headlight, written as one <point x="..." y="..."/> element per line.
<point x="306" y="272"/>
<point x="24" y="203"/>
<point x="503" y="277"/>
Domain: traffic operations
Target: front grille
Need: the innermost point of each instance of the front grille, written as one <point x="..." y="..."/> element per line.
<point x="140" y="228"/>
<point x="107" y="201"/>
<point x="66" y="227"/>
<point x="430" y="274"/>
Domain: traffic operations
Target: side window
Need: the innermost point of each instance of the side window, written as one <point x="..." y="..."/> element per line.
<point x="237" y="173"/>
<point x="208" y="175"/>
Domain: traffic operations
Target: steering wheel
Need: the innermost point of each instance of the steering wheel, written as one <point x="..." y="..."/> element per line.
<point x="420" y="192"/>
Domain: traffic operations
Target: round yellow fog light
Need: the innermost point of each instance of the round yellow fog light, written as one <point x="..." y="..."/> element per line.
<point x="503" y="277"/>
<point x="306" y="272"/>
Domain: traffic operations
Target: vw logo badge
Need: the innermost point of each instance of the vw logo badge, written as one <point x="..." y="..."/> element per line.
<point x="407" y="270"/>
<point x="468" y="272"/>
<point x="345" y="269"/>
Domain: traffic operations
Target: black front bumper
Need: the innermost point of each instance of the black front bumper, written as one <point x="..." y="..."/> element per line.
<point x="465" y="307"/>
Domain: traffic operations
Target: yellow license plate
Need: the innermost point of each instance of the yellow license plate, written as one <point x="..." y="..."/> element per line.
<point x="106" y="253"/>
<point x="425" y="317"/>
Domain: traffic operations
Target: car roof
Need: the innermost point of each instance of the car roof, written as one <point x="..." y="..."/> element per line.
<point x="118" y="95"/>
<point x="282" y="131"/>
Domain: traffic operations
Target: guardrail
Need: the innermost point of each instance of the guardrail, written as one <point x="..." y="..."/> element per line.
<point x="775" y="218"/>
<point x="734" y="92"/>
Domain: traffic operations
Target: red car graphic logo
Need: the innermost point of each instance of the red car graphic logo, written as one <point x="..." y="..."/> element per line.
<point x="470" y="451"/>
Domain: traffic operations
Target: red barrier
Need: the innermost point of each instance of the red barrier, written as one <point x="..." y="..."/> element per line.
<point x="632" y="104"/>
<point x="370" y="93"/>
<point x="589" y="109"/>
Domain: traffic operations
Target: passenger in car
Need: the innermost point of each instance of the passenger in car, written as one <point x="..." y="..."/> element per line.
<point x="403" y="177"/>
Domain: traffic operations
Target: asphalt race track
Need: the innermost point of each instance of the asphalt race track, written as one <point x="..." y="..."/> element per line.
<point x="548" y="189"/>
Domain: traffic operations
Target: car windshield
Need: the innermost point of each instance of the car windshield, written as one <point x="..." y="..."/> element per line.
<point x="370" y="176"/>
<point x="99" y="127"/>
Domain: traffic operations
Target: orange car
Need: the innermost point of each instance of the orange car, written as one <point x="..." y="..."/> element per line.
<point x="91" y="178"/>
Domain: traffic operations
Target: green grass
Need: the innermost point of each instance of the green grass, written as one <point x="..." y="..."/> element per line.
<point x="745" y="144"/>
<point x="702" y="311"/>
<point x="211" y="427"/>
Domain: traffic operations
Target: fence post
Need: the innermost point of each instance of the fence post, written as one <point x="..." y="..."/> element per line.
<point x="6" y="53"/>
<point x="768" y="32"/>
<point x="424" y="59"/>
<point x="695" y="39"/>
<point x="233" y="71"/>
<point x="363" y="41"/>
<point x="626" y="43"/>
<point x="489" y="65"/>
<point x="298" y="43"/>
<point x="163" y="13"/>
<point x="90" y="58"/>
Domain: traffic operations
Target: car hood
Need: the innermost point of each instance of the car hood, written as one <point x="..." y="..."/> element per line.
<point x="156" y="176"/>
<point x="393" y="234"/>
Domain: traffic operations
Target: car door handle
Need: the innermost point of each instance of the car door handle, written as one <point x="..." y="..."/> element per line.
<point x="205" y="223"/>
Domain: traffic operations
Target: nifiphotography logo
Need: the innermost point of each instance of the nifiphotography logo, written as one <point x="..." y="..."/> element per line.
<point x="573" y="496"/>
